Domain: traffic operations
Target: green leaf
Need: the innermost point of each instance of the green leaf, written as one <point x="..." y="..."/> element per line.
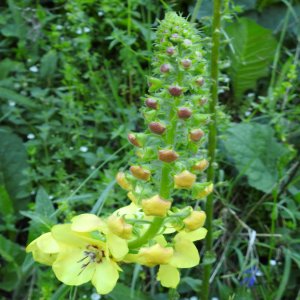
<point x="8" y="94"/>
<point x="44" y="206"/>
<point x="48" y="65"/>
<point x="251" y="51"/>
<point x="12" y="255"/>
<point x="256" y="153"/>
<point x="13" y="162"/>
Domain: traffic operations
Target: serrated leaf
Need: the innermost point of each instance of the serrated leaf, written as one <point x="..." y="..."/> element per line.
<point x="256" y="153"/>
<point x="251" y="52"/>
<point x="13" y="162"/>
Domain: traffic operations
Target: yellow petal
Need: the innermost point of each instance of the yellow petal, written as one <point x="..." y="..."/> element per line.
<point x="196" y="235"/>
<point x="168" y="276"/>
<point x="105" y="276"/>
<point x="69" y="266"/>
<point x="155" y="255"/>
<point x="117" y="246"/>
<point x="129" y="210"/>
<point x="87" y="223"/>
<point x="44" y="249"/>
<point x="64" y="235"/>
<point x="185" y="255"/>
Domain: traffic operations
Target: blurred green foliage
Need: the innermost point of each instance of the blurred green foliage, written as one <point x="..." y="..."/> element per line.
<point x="71" y="77"/>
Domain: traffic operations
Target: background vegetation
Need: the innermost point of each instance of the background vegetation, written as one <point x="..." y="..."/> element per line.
<point x="71" y="77"/>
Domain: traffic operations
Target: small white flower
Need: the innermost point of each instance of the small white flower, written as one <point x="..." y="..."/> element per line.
<point x="83" y="149"/>
<point x="34" y="69"/>
<point x="59" y="27"/>
<point x="79" y="31"/>
<point x="214" y="298"/>
<point x="247" y="113"/>
<point x="86" y="29"/>
<point x="100" y="13"/>
<point x="30" y="136"/>
<point x="11" y="103"/>
<point x="273" y="262"/>
<point x="51" y="197"/>
<point x="95" y="296"/>
<point x="194" y="298"/>
<point x="259" y="273"/>
<point x="93" y="168"/>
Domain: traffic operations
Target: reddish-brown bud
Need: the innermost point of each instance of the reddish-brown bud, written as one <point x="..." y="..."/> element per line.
<point x="201" y="165"/>
<point x="196" y="135"/>
<point x="157" y="127"/>
<point x="200" y="81"/>
<point x="175" y="90"/>
<point x="167" y="155"/>
<point x="133" y="140"/>
<point x="170" y="50"/>
<point x="151" y="103"/>
<point x="165" y="68"/>
<point x="184" y="112"/>
<point x="186" y="63"/>
<point x="140" y="173"/>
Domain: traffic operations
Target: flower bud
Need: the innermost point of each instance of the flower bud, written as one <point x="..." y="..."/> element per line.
<point x="184" y="180"/>
<point x="196" y="135"/>
<point x="119" y="227"/>
<point x="156" y="206"/>
<point x="167" y="155"/>
<point x="186" y="63"/>
<point x="140" y="173"/>
<point x="154" y="84"/>
<point x="195" y="220"/>
<point x="155" y="255"/>
<point x="184" y="112"/>
<point x="200" y="81"/>
<point x="175" y="90"/>
<point x="201" y="190"/>
<point x="151" y="103"/>
<point x="187" y="42"/>
<point x="170" y="50"/>
<point x="203" y="101"/>
<point x="123" y="182"/>
<point x="201" y="165"/>
<point x="165" y="68"/>
<point x="157" y="127"/>
<point x="133" y="140"/>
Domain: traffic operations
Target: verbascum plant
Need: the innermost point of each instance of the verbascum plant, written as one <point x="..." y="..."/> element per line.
<point x="157" y="228"/>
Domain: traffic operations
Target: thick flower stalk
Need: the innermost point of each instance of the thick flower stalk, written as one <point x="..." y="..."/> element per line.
<point x="160" y="226"/>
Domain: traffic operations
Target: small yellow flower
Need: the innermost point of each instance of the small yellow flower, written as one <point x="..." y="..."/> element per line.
<point x="185" y="256"/>
<point x="119" y="227"/>
<point x="184" y="180"/>
<point x="155" y="255"/>
<point x="44" y="249"/>
<point x="201" y="165"/>
<point x="195" y="220"/>
<point x="140" y="173"/>
<point x="156" y="206"/>
<point x="123" y="182"/>
<point x="201" y="190"/>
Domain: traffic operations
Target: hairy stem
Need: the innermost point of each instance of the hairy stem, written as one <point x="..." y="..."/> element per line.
<point x="212" y="137"/>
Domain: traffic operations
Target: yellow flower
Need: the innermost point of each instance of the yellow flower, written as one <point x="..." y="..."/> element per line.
<point x="184" y="180"/>
<point x="185" y="256"/>
<point x="44" y="249"/>
<point x="201" y="165"/>
<point x="195" y="220"/>
<point x="156" y="206"/>
<point x="88" y="251"/>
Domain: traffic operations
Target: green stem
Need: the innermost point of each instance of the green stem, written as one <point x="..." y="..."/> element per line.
<point x="212" y="138"/>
